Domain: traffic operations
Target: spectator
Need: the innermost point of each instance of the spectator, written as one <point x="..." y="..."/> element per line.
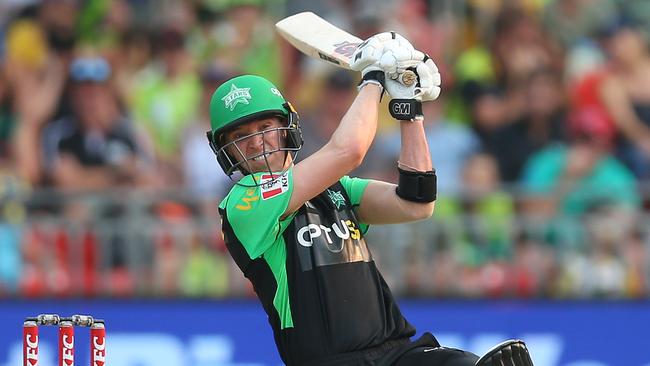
<point x="10" y="261"/>
<point x="165" y="101"/>
<point x="598" y="269"/>
<point x="102" y="24"/>
<point x="490" y="210"/>
<point x="167" y="244"/>
<point x="626" y="96"/>
<point x="413" y="19"/>
<point x="245" y="44"/>
<point x="574" y="178"/>
<point x="637" y="263"/>
<point x="533" y="268"/>
<point x="13" y="191"/>
<point x="58" y="19"/>
<point x="94" y="147"/>
<point x="637" y="11"/>
<point x="130" y="58"/>
<point x="337" y="92"/>
<point x="518" y="48"/>
<point x="8" y="10"/>
<point x="569" y="21"/>
<point x="205" y="271"/>
<point x="7" y="118"/>
<point x="204" y="182"/>
<point x="490" y="116"/>
<point x="541" y="123"/>
<point x="44" y="83"/>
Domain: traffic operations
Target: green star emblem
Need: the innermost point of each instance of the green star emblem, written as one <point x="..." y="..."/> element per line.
<point x="235" y="96"/>
<point x="337" y="198"/>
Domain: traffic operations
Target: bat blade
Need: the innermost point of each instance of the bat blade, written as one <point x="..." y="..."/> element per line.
<point x="316" y="37"/>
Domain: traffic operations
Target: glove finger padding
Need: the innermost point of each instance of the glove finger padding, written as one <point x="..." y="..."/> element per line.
<point x="429" y="80"/>
<point x="394" y="40"/>
<point x="369" y="52"/>
<point x="396" y="59"/>
<point x="397" y="90"/>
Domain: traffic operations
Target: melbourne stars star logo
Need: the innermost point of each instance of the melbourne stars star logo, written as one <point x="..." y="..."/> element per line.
<point x="337" y="198"/>
<point x="236" y="95"/>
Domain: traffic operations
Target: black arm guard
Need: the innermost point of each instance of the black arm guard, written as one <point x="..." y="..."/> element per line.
<point x="419" y="187"/>
<point x="511" y="352"/>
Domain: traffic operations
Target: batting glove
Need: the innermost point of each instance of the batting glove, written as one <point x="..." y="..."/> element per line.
<point x="406" y="102"/>
<point x="369" y="57"/>
<point x="427" y="85"/>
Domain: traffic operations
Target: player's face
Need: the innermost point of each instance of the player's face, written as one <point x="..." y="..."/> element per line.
<point x="255" y="138"/>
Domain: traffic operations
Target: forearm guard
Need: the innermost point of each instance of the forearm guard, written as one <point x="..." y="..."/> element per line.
<point x="419" y="187"/>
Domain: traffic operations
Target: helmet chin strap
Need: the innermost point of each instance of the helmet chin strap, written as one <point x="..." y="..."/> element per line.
<point x="287" y="159"/>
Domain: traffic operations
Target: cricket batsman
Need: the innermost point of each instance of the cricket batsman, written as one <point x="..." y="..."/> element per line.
<point x="296" y="230"/>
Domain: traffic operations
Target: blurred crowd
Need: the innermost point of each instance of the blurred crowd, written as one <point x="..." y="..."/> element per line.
<point x="541" y="142"/>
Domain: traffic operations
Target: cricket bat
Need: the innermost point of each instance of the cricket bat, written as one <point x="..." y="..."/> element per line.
<point x="318" y="38"/>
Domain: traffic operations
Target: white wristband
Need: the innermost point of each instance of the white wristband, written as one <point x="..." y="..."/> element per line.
<point x="370" y="81"/>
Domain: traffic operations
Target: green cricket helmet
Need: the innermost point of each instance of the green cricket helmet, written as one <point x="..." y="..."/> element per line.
<point x="244" y="99"/>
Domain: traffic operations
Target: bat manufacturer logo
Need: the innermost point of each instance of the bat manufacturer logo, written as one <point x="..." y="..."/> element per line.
<point x="324" y="57"/>
<point x="346" y="48"/>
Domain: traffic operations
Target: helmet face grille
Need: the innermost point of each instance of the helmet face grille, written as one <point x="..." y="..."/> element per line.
<point x="241" y="162"/>
<point x="293" y="142"/>
<point x="242" y="100"/>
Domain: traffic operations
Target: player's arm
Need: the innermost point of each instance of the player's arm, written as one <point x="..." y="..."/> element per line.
<point x="345" y="150"/>
<point x="413" y="197"/>
<point x="380" y="203"/>
<point x="350" y="142"/>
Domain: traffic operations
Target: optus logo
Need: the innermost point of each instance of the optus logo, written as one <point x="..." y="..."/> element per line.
<point x="347" y="229"/>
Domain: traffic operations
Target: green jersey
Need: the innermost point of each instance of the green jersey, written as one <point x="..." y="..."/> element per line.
<point x="312" y="271"/>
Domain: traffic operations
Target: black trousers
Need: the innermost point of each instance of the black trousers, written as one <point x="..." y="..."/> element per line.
<point x="440" y="356"/>
<point x="425" y="351"/>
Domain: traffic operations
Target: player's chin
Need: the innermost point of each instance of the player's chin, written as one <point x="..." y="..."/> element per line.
<point x="273" y="162"/>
